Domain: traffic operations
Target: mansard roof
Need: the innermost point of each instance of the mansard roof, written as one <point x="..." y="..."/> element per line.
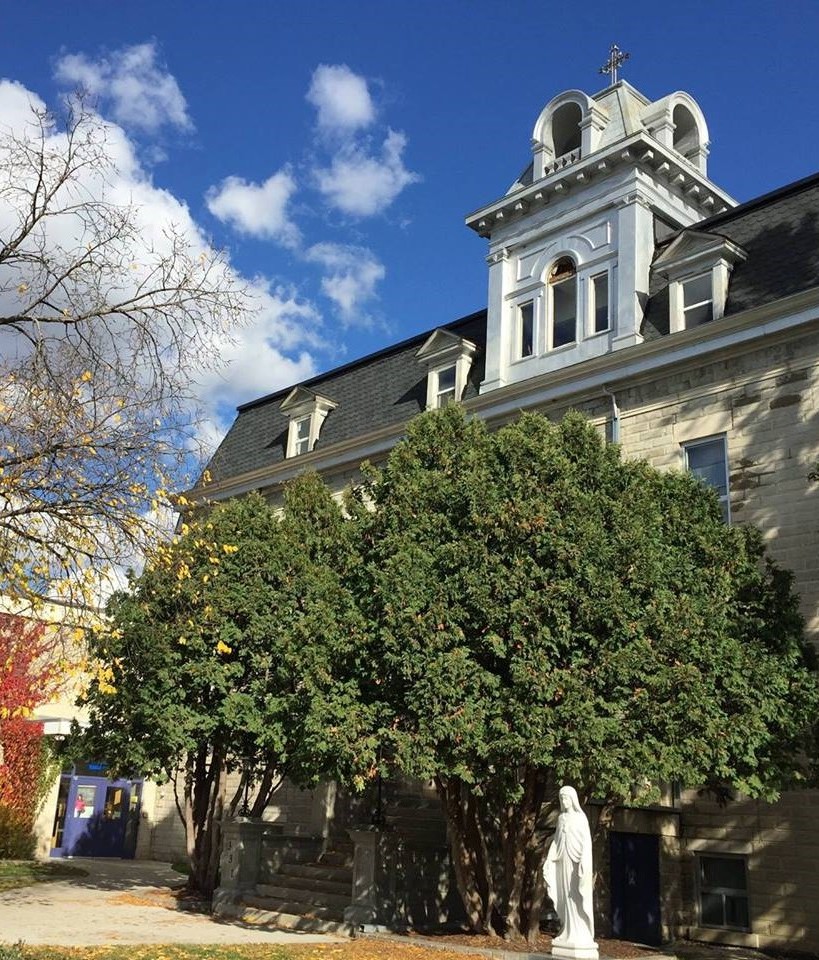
<point x="779" y="232"/>
<point x="380" y="390"/>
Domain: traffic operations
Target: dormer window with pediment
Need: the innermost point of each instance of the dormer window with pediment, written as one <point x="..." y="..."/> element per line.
<point x="448" y="359"/>
<point x="698" y="267"/>
<point x="307" y="412"/>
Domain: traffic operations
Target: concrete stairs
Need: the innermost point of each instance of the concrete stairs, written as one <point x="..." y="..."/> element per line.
<point x="305" y="896"/>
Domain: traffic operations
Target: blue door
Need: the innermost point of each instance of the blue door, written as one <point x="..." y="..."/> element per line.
<point x="98" y="817"/>
<point x="635" y="887"/>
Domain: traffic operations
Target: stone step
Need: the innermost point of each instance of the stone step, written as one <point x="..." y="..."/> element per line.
<point x="320" y="870"/>
<point x="336" y="858"/>
<point x="306" y="896"/>
<point x="262" y="912"/>
<point x="298" y="881"/>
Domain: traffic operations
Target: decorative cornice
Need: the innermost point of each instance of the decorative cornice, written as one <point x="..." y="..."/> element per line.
<point x="641" y="149"/>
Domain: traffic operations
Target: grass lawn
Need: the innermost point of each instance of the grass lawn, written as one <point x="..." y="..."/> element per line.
<point x="22" y="873"/>
<point x="351" y="950"/>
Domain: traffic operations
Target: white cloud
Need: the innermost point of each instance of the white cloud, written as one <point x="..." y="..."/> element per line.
<point x="362" y="185"/>
<point x="272" y="349"/>
<point x="131" y="86"/>
<point x="341" y="97"/>
<point x="256" y="363"/>
<point x="351" y="275"/>
<point x="256" y="209"/>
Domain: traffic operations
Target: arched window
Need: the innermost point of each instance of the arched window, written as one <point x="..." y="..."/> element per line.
<point x="563" y="303"/>
<point x="566" y="128"/>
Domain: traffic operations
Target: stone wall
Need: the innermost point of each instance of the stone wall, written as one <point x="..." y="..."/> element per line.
<point x="765" y="402"/>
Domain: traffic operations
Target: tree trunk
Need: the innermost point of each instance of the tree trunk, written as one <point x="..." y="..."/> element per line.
<point x="470" y="858"/>
<point x="204" y="801"/>
<point x="498" y="851"/>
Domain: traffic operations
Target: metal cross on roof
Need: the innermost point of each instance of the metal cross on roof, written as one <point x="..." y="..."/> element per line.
<point x="617" y="58"/>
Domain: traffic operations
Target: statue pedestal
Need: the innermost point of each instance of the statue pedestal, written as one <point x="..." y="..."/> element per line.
<point x="575" y="953"/>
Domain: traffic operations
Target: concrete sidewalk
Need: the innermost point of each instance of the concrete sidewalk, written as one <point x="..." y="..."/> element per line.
<point x="115" y="904"/>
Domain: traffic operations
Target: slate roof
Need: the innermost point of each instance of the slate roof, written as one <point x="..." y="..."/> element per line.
<point x="383" y="389"/>
<point x="780" y="233"/>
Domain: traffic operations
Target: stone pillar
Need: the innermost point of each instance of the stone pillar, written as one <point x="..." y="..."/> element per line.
<point x="498" y="333"/>
<point x="239" y="863"/>
<point x="635" y="247"/>
<point x="363" y="909"/>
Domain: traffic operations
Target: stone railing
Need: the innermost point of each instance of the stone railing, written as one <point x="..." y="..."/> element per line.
<point x="252" y="851"/>
<point x="559" y="163"/>
<point x="401" y="883"/>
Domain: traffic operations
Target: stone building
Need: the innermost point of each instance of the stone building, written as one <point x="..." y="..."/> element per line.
<point x="625" y="283"/>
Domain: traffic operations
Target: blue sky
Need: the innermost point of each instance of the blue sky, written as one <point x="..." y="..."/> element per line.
<point x="334" y="147"/>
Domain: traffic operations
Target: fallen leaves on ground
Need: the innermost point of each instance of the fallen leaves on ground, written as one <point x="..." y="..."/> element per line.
<point x="614" y="949"/>
<point x="362" y="949"/>
<point x="166" y="898"/>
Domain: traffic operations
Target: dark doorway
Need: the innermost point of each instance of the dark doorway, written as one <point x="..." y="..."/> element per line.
<point x="635" y="887"/>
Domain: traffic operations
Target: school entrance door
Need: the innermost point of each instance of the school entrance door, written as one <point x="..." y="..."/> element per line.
<point x="96" y="817"/>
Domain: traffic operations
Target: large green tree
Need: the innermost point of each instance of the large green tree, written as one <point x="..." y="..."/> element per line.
<point x="543" y="611"/>
<point x="226" y="654"/>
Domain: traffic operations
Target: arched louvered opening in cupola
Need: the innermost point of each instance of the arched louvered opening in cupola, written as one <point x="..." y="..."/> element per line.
<point x="686" y="133"/>
<point x="566" y="128"/>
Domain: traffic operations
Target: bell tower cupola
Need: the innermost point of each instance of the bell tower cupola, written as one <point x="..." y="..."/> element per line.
<point x="572" y="240"/>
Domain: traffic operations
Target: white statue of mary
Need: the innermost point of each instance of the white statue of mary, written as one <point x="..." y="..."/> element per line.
<point x="570" y="878"/>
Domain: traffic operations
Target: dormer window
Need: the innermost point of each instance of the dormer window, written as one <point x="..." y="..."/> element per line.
<point x="448" y="359"/>
<point x="563" y="303"/>
<point x="698" y="266"/>
<point x="307" y="412"/>
<point x="698" y="300"/>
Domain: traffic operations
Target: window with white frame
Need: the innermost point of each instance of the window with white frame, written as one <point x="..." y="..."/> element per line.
<point x="562" y="303"/>
<point x="698" y="300"/>
<point x="723" y="892"/>
<point x="301" y="435"/>
<point x="526" y="330"/>
<point x="600" y="316"/>
<point x="445" y="387"/>
<point x="708" y="460"/>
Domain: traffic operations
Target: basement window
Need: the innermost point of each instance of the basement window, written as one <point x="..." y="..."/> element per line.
<point x="723" y="892"/>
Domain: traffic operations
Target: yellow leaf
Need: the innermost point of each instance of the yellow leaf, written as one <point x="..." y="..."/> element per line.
<point x="222" y="647"/>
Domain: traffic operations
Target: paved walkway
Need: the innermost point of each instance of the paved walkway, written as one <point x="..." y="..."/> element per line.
<point x="113" y="905"/>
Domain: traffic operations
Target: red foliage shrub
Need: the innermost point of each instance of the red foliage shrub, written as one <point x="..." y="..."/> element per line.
<point x="20" y="769"/>
<point x="29" y="676"/>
